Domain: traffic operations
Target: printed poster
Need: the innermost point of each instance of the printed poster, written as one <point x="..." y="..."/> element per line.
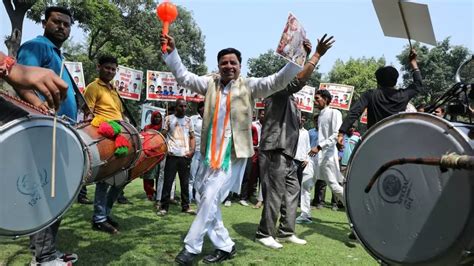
<point x="341" y="94"/>
<point x="305" y="99"/>
<point x="363" y="117"/>
<point x="146" y="114"/>
<point x="77" y="73"/>
<point x="128" y="82"/>
<point x="162" y="86"/>
<point x="291" y="46"/>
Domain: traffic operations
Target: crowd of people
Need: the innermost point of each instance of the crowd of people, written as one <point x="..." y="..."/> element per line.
<point x="224" y="148"/>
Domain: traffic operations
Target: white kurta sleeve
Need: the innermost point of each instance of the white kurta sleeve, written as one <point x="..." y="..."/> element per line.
<point x="335" y="124"/>
<point x="263" y="87"/>
<point x="185" y="78"/>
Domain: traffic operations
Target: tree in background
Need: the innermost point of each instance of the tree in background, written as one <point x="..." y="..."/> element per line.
<point x="358" y="72"/>
<point x="269" y="63"/>
<point x="130" y="31"/>
<point x="16" y="10"/>
<point x="438" y="67"/>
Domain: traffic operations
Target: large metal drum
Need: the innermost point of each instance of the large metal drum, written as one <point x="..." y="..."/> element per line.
<point x="414" y="214"/>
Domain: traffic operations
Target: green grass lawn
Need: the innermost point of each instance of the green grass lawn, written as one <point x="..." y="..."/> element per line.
<point x="147" y="239"/>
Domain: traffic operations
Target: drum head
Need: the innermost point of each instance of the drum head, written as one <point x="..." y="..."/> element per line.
<point x="414" y="213"/>
<point x="26" y="205"/>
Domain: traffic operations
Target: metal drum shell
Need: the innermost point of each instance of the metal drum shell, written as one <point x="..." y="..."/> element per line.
<point x="414" y="214"/>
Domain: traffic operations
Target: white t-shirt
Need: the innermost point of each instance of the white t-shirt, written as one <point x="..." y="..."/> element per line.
<point x="179" y="130"/>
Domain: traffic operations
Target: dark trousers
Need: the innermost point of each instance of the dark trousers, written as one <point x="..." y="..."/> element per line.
<point x="299" y="170"/>
<point x="319" y="192"/>
<point x="280" y="189"/>
<point x="43" y="243"/>
<point x="180" y="165"/>
<point x="246" y="192"/>
<point x="254" y="176"/>
<point x="82" y="192"/>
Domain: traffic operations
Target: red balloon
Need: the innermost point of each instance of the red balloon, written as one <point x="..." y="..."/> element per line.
<point x="166" y="12"/>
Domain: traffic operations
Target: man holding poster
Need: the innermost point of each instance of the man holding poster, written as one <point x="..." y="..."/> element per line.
<point x="386" y="100"/>
<point x="278" y="145"/>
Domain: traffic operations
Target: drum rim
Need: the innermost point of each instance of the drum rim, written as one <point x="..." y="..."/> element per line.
<point x="30" y="117"/>
<point x="456" y="133"/>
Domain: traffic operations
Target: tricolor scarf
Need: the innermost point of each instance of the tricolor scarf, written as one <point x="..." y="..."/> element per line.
<point x="218" y="159"/>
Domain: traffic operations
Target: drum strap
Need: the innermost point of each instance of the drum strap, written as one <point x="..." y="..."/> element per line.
<point x="127" y="112"/>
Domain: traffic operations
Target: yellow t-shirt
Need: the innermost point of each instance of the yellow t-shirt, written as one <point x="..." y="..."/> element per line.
<point x="103" y="102"/>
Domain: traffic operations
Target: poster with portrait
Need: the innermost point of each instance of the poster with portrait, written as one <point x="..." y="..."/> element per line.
<point x="77" y="74"/>
<point x="291" y="46"/>
<point x="259" y="104"/>
<point x="128" y="82"/>
<point x="341" y="94"/>
<point x="146" y="114"/>
<point x="162" y="86"/>
<point x="305" y="99"/>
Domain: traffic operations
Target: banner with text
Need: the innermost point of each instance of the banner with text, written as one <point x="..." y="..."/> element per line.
<point x="162" y="86"/>
<point x="77" y="73"/>
<point x="341" y="94"/>
<point x="128" y="82"/>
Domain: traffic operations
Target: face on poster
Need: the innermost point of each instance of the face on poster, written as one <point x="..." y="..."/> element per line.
<point x="291" y="46"/>
<point x="147" y="110"/>
<point x="162" y="86"/>
<point x="341" y="94"/>
<point x="305" y="99"/>
<point x="128" y="82"/>
<point x="75" y="69"/>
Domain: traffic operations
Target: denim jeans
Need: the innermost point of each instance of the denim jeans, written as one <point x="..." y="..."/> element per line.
<point x="105" y="196"/>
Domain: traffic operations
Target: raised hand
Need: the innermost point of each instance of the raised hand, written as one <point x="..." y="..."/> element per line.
<point x="324" y="45"/>
<point x="169" y="41"/>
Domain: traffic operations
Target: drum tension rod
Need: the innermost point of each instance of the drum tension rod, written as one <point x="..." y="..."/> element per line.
<point x="452" y="160"/>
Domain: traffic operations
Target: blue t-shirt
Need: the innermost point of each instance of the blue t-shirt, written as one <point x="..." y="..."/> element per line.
<point x="313" y="137"/>
<point x="41" y="52"/>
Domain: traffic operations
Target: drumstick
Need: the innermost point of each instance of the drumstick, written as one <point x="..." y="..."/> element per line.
<point x="53" y="154"/>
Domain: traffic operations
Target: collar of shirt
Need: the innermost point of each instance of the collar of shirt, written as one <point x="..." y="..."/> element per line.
<point x="102" y="83"/>
<point x="226" y="88"/>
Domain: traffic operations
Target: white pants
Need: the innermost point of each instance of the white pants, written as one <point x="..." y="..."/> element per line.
<point x="307" y="184"/>
<point x="213" y="187"/>
<point x="329" y="172"/>
<point x="195" y="164"/>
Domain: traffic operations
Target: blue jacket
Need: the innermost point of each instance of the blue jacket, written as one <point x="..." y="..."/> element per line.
<point x="41" y="52"/>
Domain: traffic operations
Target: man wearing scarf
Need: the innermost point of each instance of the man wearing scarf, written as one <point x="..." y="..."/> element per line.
<point x="226" y="141"/>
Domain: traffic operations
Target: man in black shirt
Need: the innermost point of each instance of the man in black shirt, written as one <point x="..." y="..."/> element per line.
<point x="385" y="100"/>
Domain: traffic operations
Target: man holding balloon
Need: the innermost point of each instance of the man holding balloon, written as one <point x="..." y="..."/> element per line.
<point x="226" y="141"/>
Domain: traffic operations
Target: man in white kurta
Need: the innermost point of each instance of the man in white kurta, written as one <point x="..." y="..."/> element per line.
<point x="329" y="122"/>
<point x="226" y="142"/>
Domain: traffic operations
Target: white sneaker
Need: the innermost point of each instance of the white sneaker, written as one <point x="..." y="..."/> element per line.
<point x="56" y="262"/>
<point x="270" y="242"/>
<point x="243" y="203"/>
<point x="227" y="203"/>
<point x="293" y="239"/>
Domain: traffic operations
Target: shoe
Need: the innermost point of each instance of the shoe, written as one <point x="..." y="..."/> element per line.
<point x="105" y="227"/>
<point x="173" y="201"/>
<point x="219" y="256"/>
<point x="352" y="236"/>
<point x="258" y="205"/>
<point x="112" y="222"/>
<point x="319" y="206"/>
<point x="157" y="205"/>
<point x="65" y="257"/>
<point x="189" y="211"/>
<point x="269" y="242"/>
<point x="161" y="212"/>
<point x="293" y="239"/>
<point x="304" y="220"/>
<point x="124" y="201"/>
<point x="55" y="262"/>
<point x="243" y="203"/>
<point x="227" y="203"/>
<point x="335" y="208"/>
<point x="84" y="200"/>
<point x="185" y="257"/>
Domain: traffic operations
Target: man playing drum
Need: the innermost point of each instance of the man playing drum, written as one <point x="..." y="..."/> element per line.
<point x="103" y="99"/>
<point x="43" y="51"/>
